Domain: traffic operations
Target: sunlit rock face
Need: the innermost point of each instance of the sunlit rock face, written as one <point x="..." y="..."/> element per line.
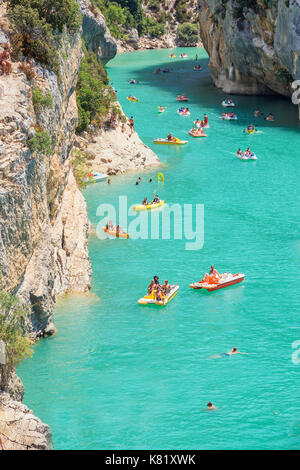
<point x="254" y="47"/>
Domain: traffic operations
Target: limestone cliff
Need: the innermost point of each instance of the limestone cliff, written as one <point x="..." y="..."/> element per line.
<point x="19" y="428"/>
<point x="43" y="216"/>
<point x="254" y="46"/>
<point x="95" y="32"/>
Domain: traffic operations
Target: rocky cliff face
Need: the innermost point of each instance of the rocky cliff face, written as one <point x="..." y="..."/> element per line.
<point x="254" y="46"/>
<point x="19" y="428"/>
<point x="95" y="32"/>
<point x="43" y="216"/>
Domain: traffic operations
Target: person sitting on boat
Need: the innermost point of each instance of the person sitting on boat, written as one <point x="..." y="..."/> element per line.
<point x="197" y="123"/>
<point x="166" y="287"/>
<point x="231" y="114"/>
<point x="251" y="127"/>
<point x="154" y="283"/>
<point x="224" y="115"/>
<point x="145" y="202"/>
<point x="186" y="111"/>
<point x="155" y="200"/>
<point x="239" y="152"/>
<point x="214" y="272"/>
<point x="110" y="225"/>
<point x="157" y="71"/>
<point x="228" y="101"/>
<point x="170" y="137"/>
<point x="270" y="117"/>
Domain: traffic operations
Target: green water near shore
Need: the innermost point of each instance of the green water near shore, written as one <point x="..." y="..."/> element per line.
<point x="120" y="376"/>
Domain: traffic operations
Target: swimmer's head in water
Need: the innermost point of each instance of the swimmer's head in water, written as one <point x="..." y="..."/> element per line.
<point x="234" y="349"/>
<point x="209" y="404"/>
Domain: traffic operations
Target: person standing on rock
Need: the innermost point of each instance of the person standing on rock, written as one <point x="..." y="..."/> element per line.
<point x="131" y="124"/>
<point x="5" y="60"/>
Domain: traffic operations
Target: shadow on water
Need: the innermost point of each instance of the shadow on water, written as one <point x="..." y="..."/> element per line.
<point x="199" y="87"/>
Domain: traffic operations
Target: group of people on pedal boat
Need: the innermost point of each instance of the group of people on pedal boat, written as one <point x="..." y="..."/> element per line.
<point x="230" y="115"/>
<point x="182" y="97"/>
<point x="183" y="110"/>
<point x="159" y="290"/>
<point x="248" y="153"/>
<point x="228" y="101"/>
<point x="155" y="200"/>
<point x="110" y="227"/>
<point x="201" y="123"/>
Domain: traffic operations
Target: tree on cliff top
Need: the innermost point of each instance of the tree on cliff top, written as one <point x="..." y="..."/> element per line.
<point x="37" y="23"/>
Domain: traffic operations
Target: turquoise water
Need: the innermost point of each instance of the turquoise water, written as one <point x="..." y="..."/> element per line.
<point x="121" y="376"/>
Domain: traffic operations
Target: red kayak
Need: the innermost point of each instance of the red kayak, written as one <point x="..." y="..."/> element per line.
<point x="212" y="283"/>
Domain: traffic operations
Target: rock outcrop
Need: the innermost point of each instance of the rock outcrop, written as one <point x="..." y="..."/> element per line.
<point x="95" y="32"/>
<point x="116" y="152"/>
<point x="20" y="429"/>
<point x="254" y="47"/>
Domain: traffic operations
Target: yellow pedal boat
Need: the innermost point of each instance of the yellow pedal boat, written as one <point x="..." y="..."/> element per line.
<point x="170" y="142"/>
<point x="151" y="299"/>
<point x="142" y="207"/>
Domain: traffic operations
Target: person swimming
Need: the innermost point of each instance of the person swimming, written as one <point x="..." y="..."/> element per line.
<point x="234" y="351"/>
<point x="210" y="406"/>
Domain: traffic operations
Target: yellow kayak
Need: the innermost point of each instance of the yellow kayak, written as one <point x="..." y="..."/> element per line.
<point x="142" y="207"/>
<point x="151" y="299"/>
<point x="132" y="98"/>
<point x="170" y="142"/>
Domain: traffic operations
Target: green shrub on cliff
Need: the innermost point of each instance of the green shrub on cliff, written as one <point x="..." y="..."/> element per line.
<point x="188" y="34"/>
<point x="12" y="329"/>
<point x="80" y="171"/>
<point x="94" y="95"/>
<point x="41" y="142"/>
<point x="37" y="25"/>
<point x="41" y="100"/>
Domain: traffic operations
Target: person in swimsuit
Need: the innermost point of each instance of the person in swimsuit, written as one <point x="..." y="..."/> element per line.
<point x="233" y="352"/>
<point x="210" y="406"/>
<point x="5" y="60"/>
<point x="145" y="202"/>
<point x="166" y="287"/>
<point x="131" y="124"/>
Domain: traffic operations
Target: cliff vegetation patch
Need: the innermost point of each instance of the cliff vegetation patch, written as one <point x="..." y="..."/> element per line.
<point x="38" y="25"/>
<point x="13" y="332"/>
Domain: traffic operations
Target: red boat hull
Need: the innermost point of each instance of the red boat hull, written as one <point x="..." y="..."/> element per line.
<point x="214" y="287"/>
